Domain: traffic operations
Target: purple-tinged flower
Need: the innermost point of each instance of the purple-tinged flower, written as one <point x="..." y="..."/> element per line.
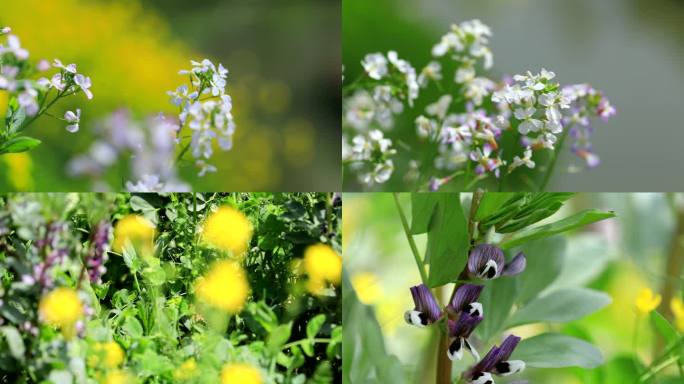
<point x="73" y="119"/>
<point x="465" y="300"/>
<point x="426" y="309"/>
<point x="605" y="110"/>
<point x="496" y="362"/>
<point x="100" y="239"/>
<point x="487" y="262"/>
<point x="459" y="332"/>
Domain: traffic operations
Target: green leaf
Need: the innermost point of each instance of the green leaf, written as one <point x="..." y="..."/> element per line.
<point x="314" y="325"/>
<point x="447" y="244"/>
<point x="560" y="306"/>
<point x="19" y="144"/>
<point x="278" y="337"/>
<point x="497" y="299"/>
<point x="14" y="341"/>
<point x="664" y="328"/>
<point x="60" y="377"/>
<point x="491" y="202"/>
<point x="132" y="327"/>
<point x="575" y="221"/>
<point x="553" y="350"/>
<point x="422" y="207"/>
<point x="138" y="204"/>
<point x="544" y="263"/>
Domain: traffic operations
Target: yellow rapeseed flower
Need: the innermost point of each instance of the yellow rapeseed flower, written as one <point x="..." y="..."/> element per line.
<point x="138" y="231"/>
<point x="677" y="307"/>
<point x="118" y="377"/>
<point x="108" y="354"/>
<point x="186" y="371"/>
<point x="647" y="301"/>
<point x="240" y="373"/>
<point x="224" y="287"/>
<point x="61" y="308"/>
<point x="322" y="264"/>
<point x="367" y="287"/>
<point x="19" y="170"/>
<point x="228" y="229"/>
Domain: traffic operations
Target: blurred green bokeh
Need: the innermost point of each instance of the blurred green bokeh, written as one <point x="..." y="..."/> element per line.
<point x="631" y="49"/>
<point x="283" y="59"/>
<point x="619" y="256"/>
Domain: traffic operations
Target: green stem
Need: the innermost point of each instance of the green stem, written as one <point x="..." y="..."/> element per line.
<point x="554" y="159"/>
<point x="412" y="243"/>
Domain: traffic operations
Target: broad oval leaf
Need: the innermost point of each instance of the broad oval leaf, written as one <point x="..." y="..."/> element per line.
<point x="447" y="247"/>
<point x="567" y="224"/>
<point x="545" y="259"/>
<point x="560" y="306"/>
<point x="14" y="341"/>
<point x="554" y="350"/>
<point x="422" y="208"/>
<point x="497" y="299"/>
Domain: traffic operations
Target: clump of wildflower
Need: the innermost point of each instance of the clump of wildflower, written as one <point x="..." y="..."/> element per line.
<point x="496" y="362"/>
<point x="61" y="308"/>
<point x="186" y="371"/>
<point x="109" y="354"/>
<point x="136" y="231"/>
<point x="210" y="119"/>
<point x="322" y="265"/>
<point x="224" y="287"/>
<point x="228" y="229"/>
<point x="240" y="373"/>
<point x="647" y="301"/>
<point x="97" y="256"/>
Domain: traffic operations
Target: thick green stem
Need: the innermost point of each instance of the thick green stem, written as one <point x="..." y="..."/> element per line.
<point x="412" y="243"/>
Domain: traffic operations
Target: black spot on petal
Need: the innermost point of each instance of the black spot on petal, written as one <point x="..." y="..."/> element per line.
<point x="503" y="367"/>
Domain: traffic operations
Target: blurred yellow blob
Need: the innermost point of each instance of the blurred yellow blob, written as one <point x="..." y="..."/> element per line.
<point x="224" y="287"/>
<point x="138" y="231"/>
<point x="322" y="264"/>
<point x="19" y="170"/>
<point x="367" y="287"/>
<point x="61" y="308"/>
<point x="677" y="307"/>
<point x="239" y="373"/>
<point x="186" y="371"/>
<point x="299" y="138"/>
<point x="228" y="229"/>
<point x="118" y="377"/>
<point x="646" y="301"/>
<point x="4" y="98"/>
<point x="108" y="354"/>
<point x="274" y="97"/>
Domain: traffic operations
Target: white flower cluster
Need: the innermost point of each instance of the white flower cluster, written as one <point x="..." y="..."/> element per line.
<point x="148" y="146"/>
<point x="369" y="156"/>
<point x="536" y="103"/>
<point x="207" y="110"/>
<point x="379" y="67"/>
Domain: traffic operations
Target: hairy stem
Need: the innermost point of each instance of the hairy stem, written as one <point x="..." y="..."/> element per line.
<point x="409" y="237"/>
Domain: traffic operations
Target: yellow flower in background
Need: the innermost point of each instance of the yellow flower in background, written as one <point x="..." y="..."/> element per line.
<point x="19" y="170"/>
<point x="239" y="373"/>
<point x="647" y="301"/>
<point x="322" y="264"/>
<point x="367" y="287"/>
<point x="224" y="287"/>
<point x="108" y="354"/>
<point x="61" y="308"/>
<point x="138" y="231"/>
<point x="186" y="371"/>
<point x="677" y="307"/>
<point x="119" y="377"/>
<point x="228" y="229"/>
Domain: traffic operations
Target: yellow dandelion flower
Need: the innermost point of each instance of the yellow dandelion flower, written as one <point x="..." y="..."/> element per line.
<point x="322" y="264"/>
<point x="108" y="354"/>
<point x="61" y="308"/>
<point x="118" y="377"/>
<point x="240" y="373"/>
<point x="228" y="229"/>
<point x="367" y="287"/>
<point x="19" y="170"/>
<point x="647" y="301"/>
<point x="138" y="231"/>
<point x="186" y="371"/>
<point x="677" y="307"/>
<point x="225" y="286"/>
